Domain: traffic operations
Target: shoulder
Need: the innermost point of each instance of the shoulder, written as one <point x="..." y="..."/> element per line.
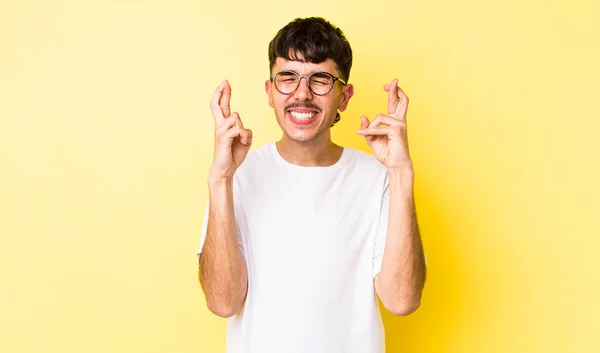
<point x="365" y="162"/>
<point x="257" y="160"/>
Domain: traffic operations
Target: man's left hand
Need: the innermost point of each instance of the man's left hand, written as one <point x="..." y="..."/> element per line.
<point x="386" y="134"/>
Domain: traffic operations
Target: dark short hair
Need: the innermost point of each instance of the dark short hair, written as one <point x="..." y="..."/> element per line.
<point x="313" y="40"/>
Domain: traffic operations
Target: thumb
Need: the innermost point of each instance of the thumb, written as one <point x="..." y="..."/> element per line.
<point x="249" y="140"/>
<point x="364" y="122"/>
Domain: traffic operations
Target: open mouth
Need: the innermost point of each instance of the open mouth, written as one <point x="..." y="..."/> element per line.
<point x="302" y="116"/>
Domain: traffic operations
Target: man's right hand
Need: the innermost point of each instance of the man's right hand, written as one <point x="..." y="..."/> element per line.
<point x="232" y="141"/>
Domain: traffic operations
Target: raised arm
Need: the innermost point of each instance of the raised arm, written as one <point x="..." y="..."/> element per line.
<point x="400" y="282"/>
<point x="222" y="269"/>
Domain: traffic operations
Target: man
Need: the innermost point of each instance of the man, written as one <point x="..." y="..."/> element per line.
<point x="302" y="234"/>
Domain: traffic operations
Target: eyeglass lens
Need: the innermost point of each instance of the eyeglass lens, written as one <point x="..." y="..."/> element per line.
<point x="319" y="82"/>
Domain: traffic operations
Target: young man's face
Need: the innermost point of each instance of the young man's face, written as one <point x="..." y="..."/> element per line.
<point x="303" y="115"/>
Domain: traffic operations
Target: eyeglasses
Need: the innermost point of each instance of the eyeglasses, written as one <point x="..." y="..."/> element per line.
<point x="319" y="83"/>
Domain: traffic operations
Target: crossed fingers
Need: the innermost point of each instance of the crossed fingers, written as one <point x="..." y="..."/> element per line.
<point x="220" y="102"/>
<point x="397" y="101"/>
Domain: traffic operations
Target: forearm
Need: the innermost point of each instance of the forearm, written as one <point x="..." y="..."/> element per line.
<point x="400" y="281"/>
<point x="223" y="274"/>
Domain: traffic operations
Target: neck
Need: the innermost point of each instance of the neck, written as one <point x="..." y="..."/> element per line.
<point x="317" y="153"/>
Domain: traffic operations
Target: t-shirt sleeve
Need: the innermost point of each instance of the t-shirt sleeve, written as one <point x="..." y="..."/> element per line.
<point x="204" y="228"/>
<point x="382" y="225"/>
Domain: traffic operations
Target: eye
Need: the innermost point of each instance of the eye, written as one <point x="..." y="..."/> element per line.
<point x="321" y="78"/>
<point x="287" y="76"/>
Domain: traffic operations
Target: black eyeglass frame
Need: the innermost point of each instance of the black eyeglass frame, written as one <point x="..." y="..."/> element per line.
<point x="307" y="77"/>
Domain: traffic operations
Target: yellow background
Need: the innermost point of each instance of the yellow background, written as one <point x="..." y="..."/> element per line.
<point x="106" y="141"/>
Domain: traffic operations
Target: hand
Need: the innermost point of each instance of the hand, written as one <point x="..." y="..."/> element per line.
<point x="386" y="134"/>
<point x="232" y="141"/>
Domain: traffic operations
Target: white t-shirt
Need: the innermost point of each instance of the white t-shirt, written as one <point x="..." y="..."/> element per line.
<point x="313" y="241"/>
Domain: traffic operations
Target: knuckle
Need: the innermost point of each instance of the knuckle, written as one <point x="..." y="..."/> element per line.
<point x="223" y="126"/>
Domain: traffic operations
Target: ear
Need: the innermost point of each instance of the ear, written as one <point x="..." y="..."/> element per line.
<point x="268" y="87"/>
<point x="347" y="93"/>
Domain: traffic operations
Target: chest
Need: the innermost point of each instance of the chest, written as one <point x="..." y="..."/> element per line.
<point x="323" y="225"/>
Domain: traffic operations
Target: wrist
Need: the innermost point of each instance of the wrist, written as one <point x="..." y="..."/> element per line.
<point x="406" y="174"/>
<point x="216" y="180"/>
<point x="402" y="178"/>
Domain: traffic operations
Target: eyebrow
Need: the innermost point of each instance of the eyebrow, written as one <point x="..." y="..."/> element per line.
<point x="310" y="73"/>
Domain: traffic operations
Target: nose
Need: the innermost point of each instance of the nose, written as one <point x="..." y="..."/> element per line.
<point x="303" y="92"/>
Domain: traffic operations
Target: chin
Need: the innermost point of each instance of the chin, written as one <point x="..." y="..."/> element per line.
<point x="301" y="136"/>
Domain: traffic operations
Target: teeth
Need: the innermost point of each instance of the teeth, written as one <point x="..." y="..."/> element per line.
<point x="303" y="116"/>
